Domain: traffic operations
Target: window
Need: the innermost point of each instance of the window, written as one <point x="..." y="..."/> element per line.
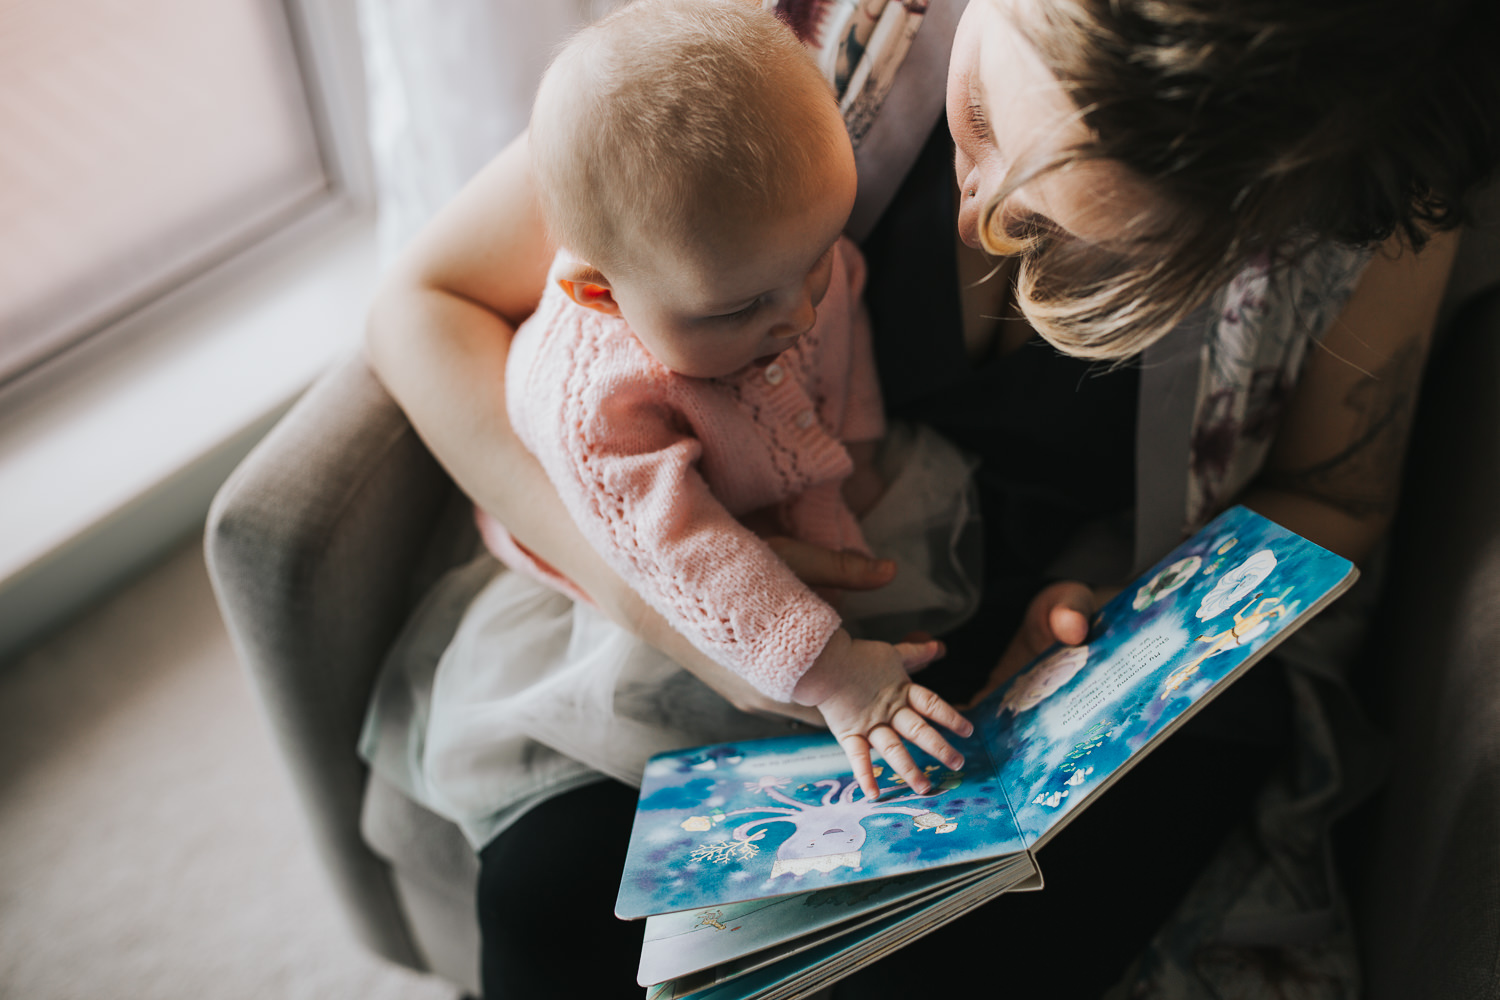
<point x="146" y="141"/>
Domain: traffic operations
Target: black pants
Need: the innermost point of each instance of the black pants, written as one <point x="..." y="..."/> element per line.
<point x="546" y="901"/>
<point x="1113" y="875"/>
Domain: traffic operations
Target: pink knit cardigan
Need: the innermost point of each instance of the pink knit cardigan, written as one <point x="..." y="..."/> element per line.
<point x="656" y="467"/>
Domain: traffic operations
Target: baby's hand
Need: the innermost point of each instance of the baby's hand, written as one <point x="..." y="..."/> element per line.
<point x="867" y="699"/>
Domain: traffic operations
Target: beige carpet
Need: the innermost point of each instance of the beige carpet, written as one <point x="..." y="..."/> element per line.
<point x="149" y="845"/>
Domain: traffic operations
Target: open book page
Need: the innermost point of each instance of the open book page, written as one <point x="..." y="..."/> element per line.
<point x="724" y="825"/>
<point x="735" y="822"/>
<point x="1078" y="716"/>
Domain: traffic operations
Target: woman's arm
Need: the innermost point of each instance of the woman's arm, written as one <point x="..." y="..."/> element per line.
<point x="1334" y="473"/>
<point x="439" y="333"/>
<point x="440" y="330"/>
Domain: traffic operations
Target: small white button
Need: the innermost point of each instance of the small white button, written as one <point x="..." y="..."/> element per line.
<point x="805" y="419"/>
<point x="774" y="374"/>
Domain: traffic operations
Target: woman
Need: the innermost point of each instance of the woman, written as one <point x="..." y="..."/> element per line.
<point x="1178" y="182"/>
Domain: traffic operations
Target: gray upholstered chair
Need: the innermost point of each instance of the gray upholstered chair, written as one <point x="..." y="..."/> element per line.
<point x="323" y="541"/>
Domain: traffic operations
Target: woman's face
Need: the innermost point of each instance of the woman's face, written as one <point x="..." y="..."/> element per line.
<point x="1005" y="106"/>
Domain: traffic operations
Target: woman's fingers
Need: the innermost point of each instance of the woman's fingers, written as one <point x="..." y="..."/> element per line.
<point x="1070" y="623"/>
<point x="820" y="567"/>
<point x="1059" y="613"/>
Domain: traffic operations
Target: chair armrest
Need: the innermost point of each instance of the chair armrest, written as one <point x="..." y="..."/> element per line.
<point x="1429" y="899"/>
<point x="319" y="545"/>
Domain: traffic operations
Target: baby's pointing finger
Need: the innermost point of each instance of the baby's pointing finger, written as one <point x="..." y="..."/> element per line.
<point x="888" y="742"/>
<point x="857" y="749"/>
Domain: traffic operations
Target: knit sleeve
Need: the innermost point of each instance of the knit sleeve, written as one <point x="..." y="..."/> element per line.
<point x="626" y="466"/>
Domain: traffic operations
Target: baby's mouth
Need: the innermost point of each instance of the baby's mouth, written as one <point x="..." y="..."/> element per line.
<point x="765" y="361"/>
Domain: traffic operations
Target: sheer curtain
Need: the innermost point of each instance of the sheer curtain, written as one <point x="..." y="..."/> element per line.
<point x="450" y="83"/>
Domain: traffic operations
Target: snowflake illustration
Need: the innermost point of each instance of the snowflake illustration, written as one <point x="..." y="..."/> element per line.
<point x="766" y="783"/>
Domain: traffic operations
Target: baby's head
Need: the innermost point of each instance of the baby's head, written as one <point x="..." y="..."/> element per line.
<point x="691" y="153"/>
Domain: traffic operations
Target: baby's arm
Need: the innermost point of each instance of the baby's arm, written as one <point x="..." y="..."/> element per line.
<point x="627" y="468"/>
<point x="867" y="699"/>
<point x="618" y="444"/>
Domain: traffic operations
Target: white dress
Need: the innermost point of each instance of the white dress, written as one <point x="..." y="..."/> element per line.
<point x="536" y="694"/>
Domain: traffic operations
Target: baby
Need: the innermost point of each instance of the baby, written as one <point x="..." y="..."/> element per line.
<point x="701" y="355"/>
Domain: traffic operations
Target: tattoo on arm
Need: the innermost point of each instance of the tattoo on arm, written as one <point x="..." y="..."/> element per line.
<point x="1363" y="478"/>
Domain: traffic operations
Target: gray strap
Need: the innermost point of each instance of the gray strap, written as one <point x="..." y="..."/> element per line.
<point x="906" y="118"/>
<point x="1170" y="371"/>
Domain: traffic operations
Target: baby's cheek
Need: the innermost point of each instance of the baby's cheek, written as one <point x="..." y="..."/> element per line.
<point x="819" y="290"/>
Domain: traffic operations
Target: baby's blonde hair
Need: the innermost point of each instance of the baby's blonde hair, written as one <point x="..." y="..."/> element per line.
<point x="668" y="107"/>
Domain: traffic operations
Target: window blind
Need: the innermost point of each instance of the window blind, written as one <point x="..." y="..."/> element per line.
<point x="141" y="141"/>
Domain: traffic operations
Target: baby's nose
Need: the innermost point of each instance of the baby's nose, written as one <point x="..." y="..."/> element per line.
<point x="799" y="322"/>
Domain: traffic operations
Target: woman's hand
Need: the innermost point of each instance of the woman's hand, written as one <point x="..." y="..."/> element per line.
<point x="822" y="568"/>
<point x="1061" y="613"/>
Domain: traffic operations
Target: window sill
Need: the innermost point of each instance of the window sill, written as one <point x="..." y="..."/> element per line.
<point x="100" y="477"/>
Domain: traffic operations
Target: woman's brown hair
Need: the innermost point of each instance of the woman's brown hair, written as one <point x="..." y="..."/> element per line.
<point x="1264" y="126"/>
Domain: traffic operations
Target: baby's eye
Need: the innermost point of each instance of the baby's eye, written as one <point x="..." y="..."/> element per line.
<point x="740" y="314"/>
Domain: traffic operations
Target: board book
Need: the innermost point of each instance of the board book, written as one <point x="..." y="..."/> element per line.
<point x="763" y="871"/>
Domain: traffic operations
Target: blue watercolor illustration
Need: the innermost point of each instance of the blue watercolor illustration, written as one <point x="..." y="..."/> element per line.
<point x="784" y="816"/>
<point x="1076" y="716"/>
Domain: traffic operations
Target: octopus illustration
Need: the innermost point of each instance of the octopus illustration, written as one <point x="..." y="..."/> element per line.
<point x="829" y="834"/>
<point x="1247" y="625"/>
<point x="768" y="781"/>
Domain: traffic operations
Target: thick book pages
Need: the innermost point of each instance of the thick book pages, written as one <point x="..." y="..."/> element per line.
<point x="765" y="870"/>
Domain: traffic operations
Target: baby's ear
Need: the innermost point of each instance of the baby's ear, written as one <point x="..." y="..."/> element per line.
<point x="587" y="286"/>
